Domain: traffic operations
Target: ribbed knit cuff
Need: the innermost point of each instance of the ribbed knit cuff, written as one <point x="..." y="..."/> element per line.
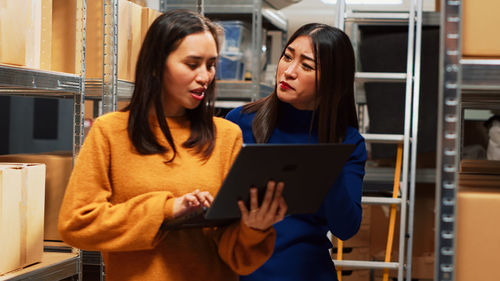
<point x="168" y="209"/>
<point x="255" y="236"/>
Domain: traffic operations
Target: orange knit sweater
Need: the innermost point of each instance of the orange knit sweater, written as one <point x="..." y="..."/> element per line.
<point x="117" y="199"/>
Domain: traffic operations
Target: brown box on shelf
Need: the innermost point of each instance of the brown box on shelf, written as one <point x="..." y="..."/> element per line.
<point x="148" y="17"/>
<point x="59" y="166"/>
<point x="356" y="275"/>
<point x="129" y="39"/>
<point x="66" y="36"/>
<point x="352" y="253"/>
<point x="22" y="188"/>
<point x="477" y="249"/>
<point x="13" y="40"/>
<point x="25" y="33"/>
<point x="423" y="233"/>
<point x="361" y="239"/>
<point x="135" y="38"/>
<point x="422" y="268"/>
<point x="479" y="24"/>
<point x="46" y="36"/>
<point x="366" y="216"/>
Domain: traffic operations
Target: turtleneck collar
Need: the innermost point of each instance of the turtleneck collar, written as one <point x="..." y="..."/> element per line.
<point x="295" y="119"/>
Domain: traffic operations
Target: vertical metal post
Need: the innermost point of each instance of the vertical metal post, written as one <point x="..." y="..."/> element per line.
<point x="256" y="47"/>
<point x="340" y="14"/>
<point x="110" y="56"/>
<point x="448" y="142"/>
<point x="201" y="7"/>
<point x="163" y="6"/>
<point x="414" y="136"/>
<point x="79" y="98"/>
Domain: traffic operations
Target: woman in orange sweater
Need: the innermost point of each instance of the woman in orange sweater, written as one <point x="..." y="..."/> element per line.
<point x="163" y="156"/>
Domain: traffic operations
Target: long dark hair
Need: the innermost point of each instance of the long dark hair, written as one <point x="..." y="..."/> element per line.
<point x="163" y="37"/>
<point x="335" y="106"/>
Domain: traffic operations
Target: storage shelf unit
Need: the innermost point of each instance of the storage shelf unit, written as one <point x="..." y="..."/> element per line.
<point x="94" y="88"/>
<point x="463" y="83"/>
<point x="54" y="266"/>
<point x="20" y="81"/>
<point x="239" y="90"/>
<point x="270" y="17"/>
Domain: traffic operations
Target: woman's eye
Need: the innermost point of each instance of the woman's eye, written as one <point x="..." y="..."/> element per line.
<point x="287" y="57"/>
<point x="307" y="67"/>
<point x="192" y="65"/>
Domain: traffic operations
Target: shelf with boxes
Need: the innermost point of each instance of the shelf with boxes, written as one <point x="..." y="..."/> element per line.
<point x="245" y="53"/>
<point x="41" y="55"/>
<point x="115" y="32"/>
<point x="467" y="189"/>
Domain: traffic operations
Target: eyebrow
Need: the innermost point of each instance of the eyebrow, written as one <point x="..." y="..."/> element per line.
<point x="303" y="56"/>
<point x="199" y="58"/>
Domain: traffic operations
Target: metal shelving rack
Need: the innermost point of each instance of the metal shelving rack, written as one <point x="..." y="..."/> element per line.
<point x="464" y="83"/>
<point x="234" y="93"/>
<point x="57" y="262"/>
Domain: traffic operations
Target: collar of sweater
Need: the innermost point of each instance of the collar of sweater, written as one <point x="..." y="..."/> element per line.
<point x="293" y="118"/>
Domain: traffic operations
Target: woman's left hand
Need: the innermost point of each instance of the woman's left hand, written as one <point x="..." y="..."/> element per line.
<point x="272" y="210"/>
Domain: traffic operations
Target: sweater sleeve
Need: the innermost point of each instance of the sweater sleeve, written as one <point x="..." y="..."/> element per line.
<point x="87" y="218"/>
<point x="342" y="206"/>
<point x="242" y="248"/>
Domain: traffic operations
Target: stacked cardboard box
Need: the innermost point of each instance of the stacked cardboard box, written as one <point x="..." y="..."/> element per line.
<point x="480" y="22"/>
<point x="477" y="232"/>
<point x="356" y="248"/>
<point x="58" y="169"/>
<point x="25" y="33"/>
<point x="423" y="234"/>
<point x="44" y="34"/>
<point x="133" y="21"/>
<point x="22" y="188"/>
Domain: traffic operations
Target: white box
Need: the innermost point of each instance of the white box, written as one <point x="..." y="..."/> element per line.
<point x="22" y="193"/>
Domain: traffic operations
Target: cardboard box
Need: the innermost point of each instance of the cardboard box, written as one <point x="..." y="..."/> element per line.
<point x="361" y="239"/>
<point x="480" y="22"/>
<point x="93" y="43"/>
<point x="477" y="249"/>
<point x="66" y="36"/>
<point x="129" y="39"/>
<point x="356" y="275"/>
<point x="148" y="17"/>
<point x="352" y="253"/>
<point x="25" y="33"/>
<point x="423" y="226"/>
<point x="58" y="170"/>
<point x="13" y="40"/>
<point x="22" y="188"/>
<point x="135" y="38"/>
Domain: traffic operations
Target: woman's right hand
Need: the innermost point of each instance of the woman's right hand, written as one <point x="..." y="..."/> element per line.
<point x="271" y="211"/>
<point x="191" y="201"/>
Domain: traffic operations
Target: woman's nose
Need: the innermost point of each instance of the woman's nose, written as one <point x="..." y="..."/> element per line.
<point x="290" y="71"/>
<point x="203" y="76"/>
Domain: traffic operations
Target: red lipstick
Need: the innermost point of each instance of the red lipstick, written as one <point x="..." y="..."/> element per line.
<point x="285" y="86"/>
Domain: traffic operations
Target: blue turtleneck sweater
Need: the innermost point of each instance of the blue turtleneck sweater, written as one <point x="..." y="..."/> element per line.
<point x="301" y="250"/>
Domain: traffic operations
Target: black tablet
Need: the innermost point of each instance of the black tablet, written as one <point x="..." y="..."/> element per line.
<point x="308" y="171"/>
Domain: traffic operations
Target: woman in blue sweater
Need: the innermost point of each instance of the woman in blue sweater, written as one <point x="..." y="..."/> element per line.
<point x="313" y="102"/>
